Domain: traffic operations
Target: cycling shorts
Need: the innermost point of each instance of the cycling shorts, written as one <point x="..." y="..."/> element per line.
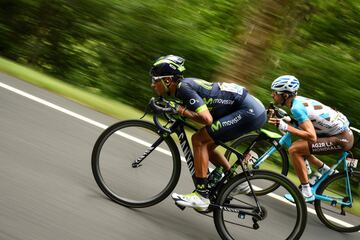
<point x="326" y="145"/>
<point x="249" y="117"/>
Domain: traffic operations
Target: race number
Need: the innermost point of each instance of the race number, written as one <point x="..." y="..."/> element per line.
<point x="352" y="162"/>
<point x="231" y="87"/>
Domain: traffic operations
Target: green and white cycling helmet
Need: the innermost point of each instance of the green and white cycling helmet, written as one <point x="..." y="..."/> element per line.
<point x="168" y="66"/>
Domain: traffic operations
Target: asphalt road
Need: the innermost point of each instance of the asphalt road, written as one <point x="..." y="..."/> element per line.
<point x="47" y="190"/>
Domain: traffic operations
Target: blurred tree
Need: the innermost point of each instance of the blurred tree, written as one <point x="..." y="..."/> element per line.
<point x="109" y="46"/>
<point x="51" y="36"/>
<point x="138" y="32"/>
<point x="262" y="21"/>
<point x="323" y="54"/>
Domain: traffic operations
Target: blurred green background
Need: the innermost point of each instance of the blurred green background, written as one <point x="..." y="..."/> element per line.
<point x="99" y="52"/>
<point x="106" y="47"/>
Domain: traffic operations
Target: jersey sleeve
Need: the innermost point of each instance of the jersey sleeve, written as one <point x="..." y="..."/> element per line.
<point x="190" y="98"/>
<point x="299" y="112"/>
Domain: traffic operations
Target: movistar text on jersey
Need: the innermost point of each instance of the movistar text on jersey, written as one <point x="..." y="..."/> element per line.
<point x="232" y="121"/>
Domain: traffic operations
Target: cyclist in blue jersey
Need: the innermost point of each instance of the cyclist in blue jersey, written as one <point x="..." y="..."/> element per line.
<point x="226" y="110"/>
<point x="322" y="129"/>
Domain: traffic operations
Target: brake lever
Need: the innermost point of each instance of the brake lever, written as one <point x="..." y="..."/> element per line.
<point x="150" y="105"/>
<point x="154" y="104"/>
<point x="146" y="111"/>
<point x="280" y="113"/>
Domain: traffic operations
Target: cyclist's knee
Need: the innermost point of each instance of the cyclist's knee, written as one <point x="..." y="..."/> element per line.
<point x="201" y="138"/>
<point x="293" y="150"/>
<point x="300" y="147"/>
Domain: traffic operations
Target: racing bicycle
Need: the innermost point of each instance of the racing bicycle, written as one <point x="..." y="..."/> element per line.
<point x="337" y="195"/>
<point x="137" y="164"/>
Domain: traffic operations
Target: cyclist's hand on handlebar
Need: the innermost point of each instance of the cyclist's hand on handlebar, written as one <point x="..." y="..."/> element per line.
<point x="270" y="112"/>
<point x="273" y="121"/>
<point x="280" y="123"/>
<point x="160" y="107"/>
<point x="287" y="119"/>
<point x="174" y="105"/>
<point x="179" y="109"/>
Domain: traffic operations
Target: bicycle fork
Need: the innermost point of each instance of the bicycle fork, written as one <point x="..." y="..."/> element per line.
<point x="151" y="148"/>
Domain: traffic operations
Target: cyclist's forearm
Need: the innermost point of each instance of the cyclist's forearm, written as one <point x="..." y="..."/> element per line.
<point x="302" y="134"/>
<point x="203" y="117"/>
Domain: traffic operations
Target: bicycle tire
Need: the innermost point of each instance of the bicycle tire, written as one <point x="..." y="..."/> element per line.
<point x="141" y="127"/>
<point x="321" y="207"/>
<point x="296" y="225"/>
<point x="279" y="162"/>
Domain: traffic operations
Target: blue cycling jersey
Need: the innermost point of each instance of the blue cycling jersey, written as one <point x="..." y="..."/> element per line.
<point x="326" y="120"/>
<point x="234" y="111"/>
<point x="220" y="98"/>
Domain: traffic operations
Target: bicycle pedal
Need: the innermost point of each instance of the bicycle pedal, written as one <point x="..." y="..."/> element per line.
<point x="255" y="224"/>
<point x="179" y="206"/>
<point x="342" y="213"/>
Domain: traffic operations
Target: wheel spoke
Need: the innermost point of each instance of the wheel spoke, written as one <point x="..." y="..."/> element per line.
<point x="290" y="218"/>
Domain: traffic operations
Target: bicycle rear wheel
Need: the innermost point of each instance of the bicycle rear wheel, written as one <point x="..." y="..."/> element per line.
<point x="121" y="177"/>
<point x="277" y="162"/>
<point x="337" y="215"/>
<point x="278" y="218"/>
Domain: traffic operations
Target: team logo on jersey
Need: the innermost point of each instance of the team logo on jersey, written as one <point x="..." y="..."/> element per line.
<point x="216" y="126"/>
<point x="251" y="111"/>
<point x="193" y="101"/>
<point x="325" y="146"/>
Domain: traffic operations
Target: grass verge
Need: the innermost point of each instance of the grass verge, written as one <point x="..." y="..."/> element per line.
<point x="99" y="103"/>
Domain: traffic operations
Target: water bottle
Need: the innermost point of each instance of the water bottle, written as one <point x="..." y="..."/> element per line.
<point x="314" y="178"/>
<point x="308" y="168"/>
<point x="215" y="177"/>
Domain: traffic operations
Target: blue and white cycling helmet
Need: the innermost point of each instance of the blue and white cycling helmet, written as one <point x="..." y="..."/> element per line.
<point x="285" y="84"/>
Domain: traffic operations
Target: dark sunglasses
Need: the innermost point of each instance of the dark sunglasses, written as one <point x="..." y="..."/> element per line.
<point x="158" y="78"/>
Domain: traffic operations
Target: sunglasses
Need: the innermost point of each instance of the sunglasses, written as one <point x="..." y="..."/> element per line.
<point x="277" y="93"/>
<point x="158" y="78"/>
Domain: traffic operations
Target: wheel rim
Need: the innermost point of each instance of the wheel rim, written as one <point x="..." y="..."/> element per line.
<point x="145" y="185"/>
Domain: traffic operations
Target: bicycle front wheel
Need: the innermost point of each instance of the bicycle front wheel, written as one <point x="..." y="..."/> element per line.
<point x="336" y="209"/>
<point x="237" y="215"/>
<point x="135" y="165"/>
<point x="277" y="162"/>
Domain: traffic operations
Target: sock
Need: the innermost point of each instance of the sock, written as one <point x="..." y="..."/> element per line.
<point x="201" y="187"/>
<point x="306" y="190"/>
<point x="324" y="168"/>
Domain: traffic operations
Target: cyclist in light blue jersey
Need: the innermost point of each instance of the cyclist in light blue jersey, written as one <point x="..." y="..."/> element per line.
<point x="226" y="110"/>
<point x="322" y="129"/>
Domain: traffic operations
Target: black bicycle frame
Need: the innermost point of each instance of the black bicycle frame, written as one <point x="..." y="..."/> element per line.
<point x="178" y="128"/>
